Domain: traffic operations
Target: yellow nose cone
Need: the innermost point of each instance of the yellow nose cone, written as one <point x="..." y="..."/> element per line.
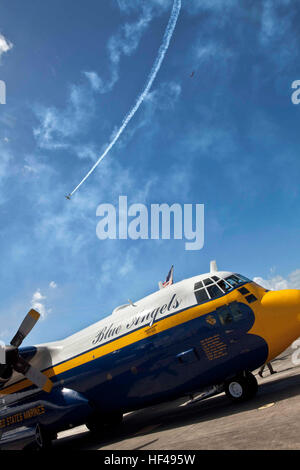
<point x="288" y="299"/>
<point x="281" y="317"/>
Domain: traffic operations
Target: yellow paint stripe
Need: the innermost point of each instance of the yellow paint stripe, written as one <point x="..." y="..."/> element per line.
<point x="131" y="338"/>
<point x="127" y="340"/>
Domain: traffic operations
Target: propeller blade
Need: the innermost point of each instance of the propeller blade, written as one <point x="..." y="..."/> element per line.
<point x="25" y="327"/>
<point x="10" y="358"/>
<point x="33" y="374"/>
<point x="39" y="379"/>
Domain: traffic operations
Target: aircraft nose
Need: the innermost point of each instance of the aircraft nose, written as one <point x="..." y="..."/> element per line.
<point x="283" y="302"/>
<point x="281" y="317"/>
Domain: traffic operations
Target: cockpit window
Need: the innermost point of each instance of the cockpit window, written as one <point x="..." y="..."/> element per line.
<point x="243" y="278"/>
<point x="211" y="288"/>
<point x="214" y="291"/>
<point x="201" y="296"/>
<point x="236" y="279"/>
<point x="198" y="285"/>
<point x="224" y="285"/>
<point x="232" y="280"/>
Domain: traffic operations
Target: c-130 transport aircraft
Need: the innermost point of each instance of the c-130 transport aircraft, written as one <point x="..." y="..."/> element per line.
<point x="203" y="334"/>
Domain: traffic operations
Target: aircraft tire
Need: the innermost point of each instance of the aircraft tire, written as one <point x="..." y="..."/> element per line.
<point x="43" y="440"/>
<point x="241" y="388"/>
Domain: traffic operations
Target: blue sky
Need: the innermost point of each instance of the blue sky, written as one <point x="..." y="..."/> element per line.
<point x="228" y="137"/>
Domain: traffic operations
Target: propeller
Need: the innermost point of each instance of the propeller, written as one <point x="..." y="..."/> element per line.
<point x="10" y="359"/>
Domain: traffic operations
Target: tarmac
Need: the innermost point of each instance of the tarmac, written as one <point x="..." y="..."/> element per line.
<point x="270" y="421"/>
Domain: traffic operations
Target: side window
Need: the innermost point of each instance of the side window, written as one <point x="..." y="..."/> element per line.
<point x="237" y="311"/>
<point x="225" y="315"/>
<point x="250" y="298"/>
<point x="243" y="290"/>
<point x="232" y="313"/>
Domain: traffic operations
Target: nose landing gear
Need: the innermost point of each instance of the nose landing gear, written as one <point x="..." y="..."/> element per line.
<point x="242" y="387"/>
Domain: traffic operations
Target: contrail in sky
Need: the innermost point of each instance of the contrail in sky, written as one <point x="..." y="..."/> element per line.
<point x="155" y="68"/>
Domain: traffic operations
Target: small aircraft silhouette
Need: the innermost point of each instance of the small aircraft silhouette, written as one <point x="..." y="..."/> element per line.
<point x="192" y="74"/>
<point x="68" y="196"/>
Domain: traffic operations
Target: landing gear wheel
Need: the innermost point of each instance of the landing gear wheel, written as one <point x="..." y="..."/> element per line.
<point x="102" y="424"/>
<point x="241" y="388"/>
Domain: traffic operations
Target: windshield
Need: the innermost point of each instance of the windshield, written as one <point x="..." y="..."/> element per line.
<point x="211" y="288"/>
<point x="236" y="279"/>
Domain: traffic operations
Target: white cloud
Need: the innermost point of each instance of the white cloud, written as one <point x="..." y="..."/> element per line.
<point x="5" y="45"/>
<point x="213" y="51"/>
<point x="5" y="161"/>
<point x="125" y="42"/>
<point x="94" y="79"/>
<point x="276" y="33"/>
<point x="37" y="296"/>
<point x="87" y="151"/>
<point x="57" y="126"/>
<point x="165" y="96"/>
<point x="4" y="333"/>
<point x="34" y="169"/>
<point x="134" y="5"/>
<point x="30" y="169"/>
<point x="162" y="98"/>
<point x="221" y="7"/>
<point x="118" y="264"/>
<point x="6" y="170"/>
<point x="274" y="20"/>
<point x="278" y="282"/>
<point x="128" y="263"/>
<point x="53" y="285"/>
<point x="38" y="304"/>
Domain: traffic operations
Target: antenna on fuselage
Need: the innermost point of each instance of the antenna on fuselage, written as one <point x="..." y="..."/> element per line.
<point x="213" y="266"/>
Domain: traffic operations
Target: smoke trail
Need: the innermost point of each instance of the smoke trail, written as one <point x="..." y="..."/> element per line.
<point x="155" y="68"/>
